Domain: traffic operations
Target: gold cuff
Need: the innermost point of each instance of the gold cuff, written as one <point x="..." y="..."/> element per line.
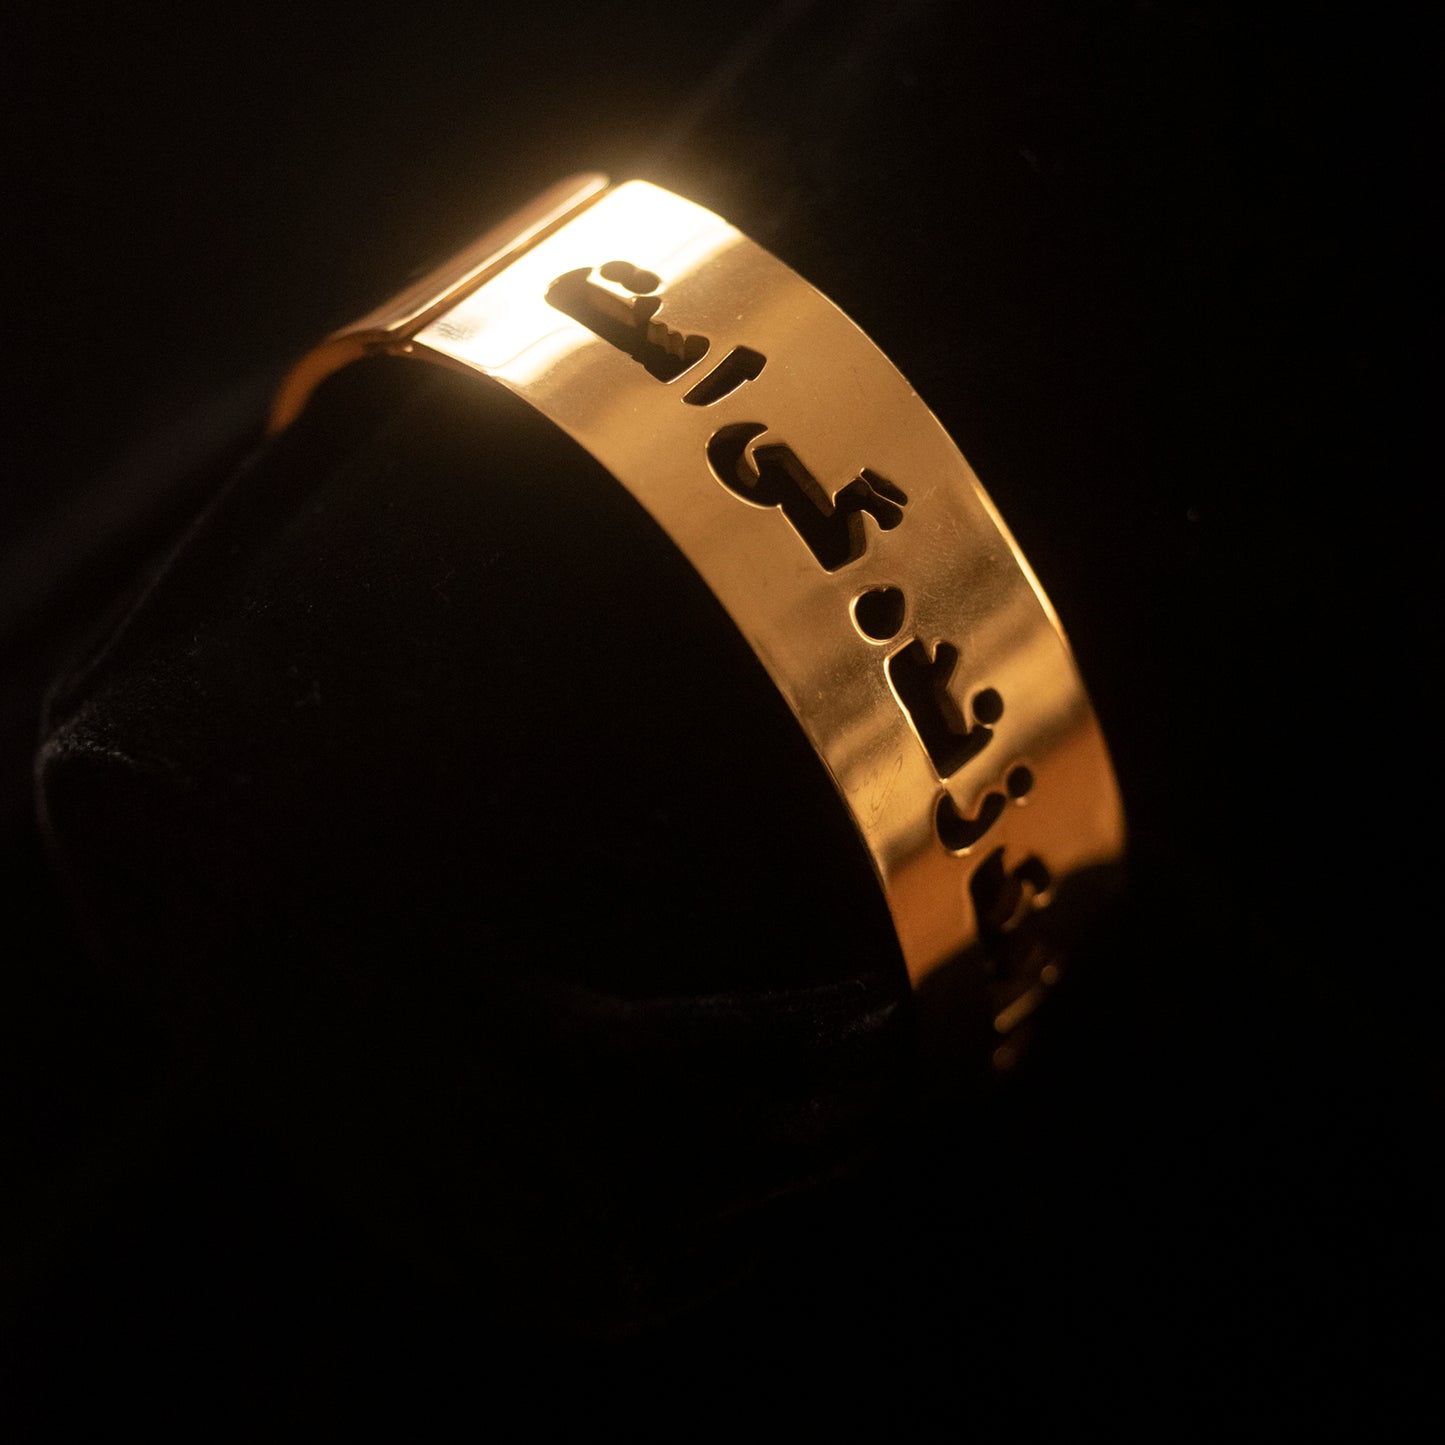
<point x="835" y="521"/>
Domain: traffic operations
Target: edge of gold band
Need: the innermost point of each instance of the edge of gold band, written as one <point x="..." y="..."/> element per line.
<point x="836" y="522"/>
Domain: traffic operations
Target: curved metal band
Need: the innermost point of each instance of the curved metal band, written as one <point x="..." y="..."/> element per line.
<point x="832" y="516"/>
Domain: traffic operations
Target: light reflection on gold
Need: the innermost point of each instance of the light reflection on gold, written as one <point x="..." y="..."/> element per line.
<point x="839" y="416"/>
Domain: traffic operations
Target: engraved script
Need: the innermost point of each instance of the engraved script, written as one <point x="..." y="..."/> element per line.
<point x="920" y="682"/>
<point x="619" y="303"/>
<point x="958" y="832"/>
<point x="1003" y="897"/>
<point x="771" y="475"/>
<point x="621" y="308"/>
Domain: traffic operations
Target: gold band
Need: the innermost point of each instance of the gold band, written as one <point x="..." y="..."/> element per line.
<point x="835" y="521"/>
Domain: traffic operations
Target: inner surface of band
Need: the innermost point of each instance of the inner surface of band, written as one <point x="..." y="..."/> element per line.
<point x="844" y="533"/>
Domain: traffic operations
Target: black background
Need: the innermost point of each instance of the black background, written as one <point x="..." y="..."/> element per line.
<point x="1152" y="267"/>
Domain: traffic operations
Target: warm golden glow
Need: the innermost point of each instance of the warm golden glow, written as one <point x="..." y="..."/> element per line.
<point x="833" y="518"/>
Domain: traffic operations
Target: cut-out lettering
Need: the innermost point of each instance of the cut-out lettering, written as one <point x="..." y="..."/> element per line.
<point x="1004" y="897"/>
<point x="772" y="476"/>
<point x="959" y="832"/>
<point x="879" y="612"/>
<point x="742" y="364"/>
<point x="920" y="682"/>
<point x="620" y="308"/>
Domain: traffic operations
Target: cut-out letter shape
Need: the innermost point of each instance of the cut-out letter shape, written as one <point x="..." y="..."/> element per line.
<point x="958" y="832"/>
<point x="879" y="613"/>
<point x="1004" y="897"/>
<point x="920" y="682"/>
<point x="621" y="308"/>
<point x="742" y="364"/>
<point x="772" y="476"/>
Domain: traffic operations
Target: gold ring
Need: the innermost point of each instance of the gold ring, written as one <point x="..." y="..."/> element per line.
<point x="840" y="528"/>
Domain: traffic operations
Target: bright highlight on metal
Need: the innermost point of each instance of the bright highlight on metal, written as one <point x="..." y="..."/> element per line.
<point x="834" y="519"/>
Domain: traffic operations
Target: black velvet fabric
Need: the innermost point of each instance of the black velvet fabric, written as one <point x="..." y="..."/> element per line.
<point x="429" y="772"/>
<point x="439" y="986"/>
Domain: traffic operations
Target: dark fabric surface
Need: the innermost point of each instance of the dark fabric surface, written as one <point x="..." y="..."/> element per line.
<point x="429" y="773"/>
<point x="515" y="1104"/>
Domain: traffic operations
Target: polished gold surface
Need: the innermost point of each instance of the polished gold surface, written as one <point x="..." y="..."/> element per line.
<point x="835" y="520"/>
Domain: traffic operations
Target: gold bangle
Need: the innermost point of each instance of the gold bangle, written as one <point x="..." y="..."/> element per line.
<point x="838" y="525"/>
